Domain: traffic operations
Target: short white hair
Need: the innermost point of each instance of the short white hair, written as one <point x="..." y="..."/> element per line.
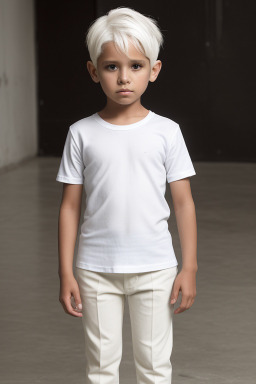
<point x="121" y="25"/>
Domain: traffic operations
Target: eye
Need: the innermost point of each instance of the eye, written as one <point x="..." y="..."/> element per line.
<point x="137" y="65"/>
<point x="110" y="65"/>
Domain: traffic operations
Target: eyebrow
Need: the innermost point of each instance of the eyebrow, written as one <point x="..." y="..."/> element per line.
<point x="131" y="61"/>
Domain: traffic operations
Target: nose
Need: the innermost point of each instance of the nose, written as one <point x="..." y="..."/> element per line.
<point x="123" y="76"/>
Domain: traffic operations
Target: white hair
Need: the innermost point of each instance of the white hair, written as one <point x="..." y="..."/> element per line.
<point x="122" y="25"/>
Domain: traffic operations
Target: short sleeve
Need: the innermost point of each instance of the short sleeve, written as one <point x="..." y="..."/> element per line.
<point x="178" y="163"/>
<point x="71" y="165"/>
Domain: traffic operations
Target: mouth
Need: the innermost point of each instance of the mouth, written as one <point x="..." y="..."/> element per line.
<point x="124" y="91"/>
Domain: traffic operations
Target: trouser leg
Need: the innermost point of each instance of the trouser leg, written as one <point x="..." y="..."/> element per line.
<point x="103" y="305"/>
<point x="152" y="325"/>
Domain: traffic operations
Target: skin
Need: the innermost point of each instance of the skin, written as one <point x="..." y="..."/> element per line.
<point x="123" y="109"/>
<point x="121" y="72"/>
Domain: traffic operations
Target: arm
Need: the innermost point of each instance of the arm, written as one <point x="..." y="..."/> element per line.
<point x="185" y="214"/>
<point x="69" y="216"/>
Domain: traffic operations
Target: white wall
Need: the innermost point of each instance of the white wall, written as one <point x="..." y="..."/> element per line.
<point x="18" y="114"/>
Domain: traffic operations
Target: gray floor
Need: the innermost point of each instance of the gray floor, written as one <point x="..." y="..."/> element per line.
<point x="214" y="341"/>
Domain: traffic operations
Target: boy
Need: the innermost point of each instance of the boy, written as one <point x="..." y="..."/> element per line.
<point x="123" y="156"/>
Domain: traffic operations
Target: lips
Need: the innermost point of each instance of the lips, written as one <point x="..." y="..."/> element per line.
<point x="124" y="90"/>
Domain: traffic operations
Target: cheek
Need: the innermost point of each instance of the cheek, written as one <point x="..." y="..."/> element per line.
<point x="106" y="84"/>
<point x="143" y="76"/>
<point x="108" y="80"/>
<point x="143" y="80"/>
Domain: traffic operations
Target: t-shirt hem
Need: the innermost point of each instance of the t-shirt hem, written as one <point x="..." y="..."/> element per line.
<point x="126" y="269"/>
<point x="71" y="180"/>
<point x="181" y="175"/>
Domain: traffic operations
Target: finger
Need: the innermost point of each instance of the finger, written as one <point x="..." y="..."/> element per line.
<point x="175" y="293"/>
<point x="69" y="309"/>
<point x="180" y="309"/>
<point x="186" y="304"/>
<point x="183" y="305"/>
<point x="191" y="302"/>
<point x="63" y="304"/>
<point x="77" y="302"/>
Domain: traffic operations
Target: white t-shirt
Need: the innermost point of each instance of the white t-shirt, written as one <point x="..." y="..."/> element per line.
<point x="124" y="169"/>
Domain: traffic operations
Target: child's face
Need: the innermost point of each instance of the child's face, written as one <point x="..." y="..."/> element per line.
<point x="117" y="71"/>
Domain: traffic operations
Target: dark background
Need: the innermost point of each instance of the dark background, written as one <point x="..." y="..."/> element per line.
<point x="207" y="82"/>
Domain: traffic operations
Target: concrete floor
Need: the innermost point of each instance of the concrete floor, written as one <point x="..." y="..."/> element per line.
<point x="214" y="341"/>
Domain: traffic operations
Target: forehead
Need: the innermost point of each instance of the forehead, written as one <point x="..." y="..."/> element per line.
<point x="111" y="53"/>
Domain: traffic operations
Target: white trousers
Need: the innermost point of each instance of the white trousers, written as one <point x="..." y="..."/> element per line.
<point x="151" y="314"/>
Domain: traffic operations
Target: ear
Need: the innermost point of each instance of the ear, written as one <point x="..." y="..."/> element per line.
<point x="155" y="71"/>
<point x="92" y="71"/>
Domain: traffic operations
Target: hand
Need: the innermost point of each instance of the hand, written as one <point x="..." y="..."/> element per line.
<point x="69" y="290"/>
<point x="186" y="282"/>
